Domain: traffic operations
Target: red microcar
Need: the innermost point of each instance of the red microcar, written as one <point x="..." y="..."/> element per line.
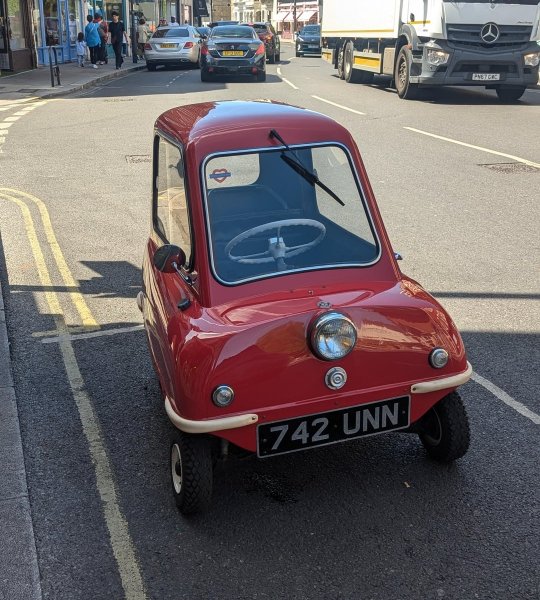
<point x="277" y="317"/>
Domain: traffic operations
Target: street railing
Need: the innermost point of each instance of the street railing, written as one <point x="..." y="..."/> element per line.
<point x="55" y="69"/>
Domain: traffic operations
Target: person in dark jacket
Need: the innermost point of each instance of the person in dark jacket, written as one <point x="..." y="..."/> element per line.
<point x="91" y="37"/>
<point x="103" y="30"/>
<point x="118" y="33"/>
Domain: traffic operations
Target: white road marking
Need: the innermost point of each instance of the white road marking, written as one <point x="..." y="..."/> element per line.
<point x="11" y="119"/>
<point x="445" y="139"/>
<point x="279" y="71"/>
<point x="289" y="83"/>
<point x="93" y="334"/>
<point x="5" y="125"/>
<point x="502" y="395"/>
<point x="357" y="112"/>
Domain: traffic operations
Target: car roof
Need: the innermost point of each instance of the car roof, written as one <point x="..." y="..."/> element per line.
<point x="235" y="122"/>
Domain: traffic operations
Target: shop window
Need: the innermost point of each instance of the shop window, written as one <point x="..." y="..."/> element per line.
<point x="17" y="40"/>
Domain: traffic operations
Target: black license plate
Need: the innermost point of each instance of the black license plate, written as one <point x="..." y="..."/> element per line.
<point x="332" y="427"/>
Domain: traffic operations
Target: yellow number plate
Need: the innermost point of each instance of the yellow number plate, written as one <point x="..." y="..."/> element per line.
<point x="233" y="53"/>
<point x="168" y="45"/>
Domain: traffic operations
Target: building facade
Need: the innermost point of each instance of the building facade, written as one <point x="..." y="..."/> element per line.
<point x="221" y="10"/>
<point x="292" y="16"/>
<point x="252" y="11"/>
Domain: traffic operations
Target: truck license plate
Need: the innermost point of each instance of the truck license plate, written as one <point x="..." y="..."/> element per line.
<point x="486" y="76"/>
<point x="332" y="427"/>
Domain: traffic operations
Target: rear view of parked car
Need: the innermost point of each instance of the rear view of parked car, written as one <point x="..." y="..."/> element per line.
<point x="233" y="50"/>
<point x="173" y="46"/>
<point x="308" y="41"/>
<point x="267" y="34"/>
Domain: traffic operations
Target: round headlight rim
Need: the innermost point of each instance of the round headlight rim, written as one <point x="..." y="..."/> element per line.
<point x="217" y="390"/>
<point x="432" y="358"/>
<point x="322" y="320"/>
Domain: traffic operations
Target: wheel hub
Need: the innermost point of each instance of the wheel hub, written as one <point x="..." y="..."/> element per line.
<point x="176" y="468"/>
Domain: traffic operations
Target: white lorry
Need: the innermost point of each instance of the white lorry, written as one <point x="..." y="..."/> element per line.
<point x="426" y="43"/>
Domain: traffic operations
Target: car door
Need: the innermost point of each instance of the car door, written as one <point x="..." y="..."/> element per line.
<point x="166" y="322"/>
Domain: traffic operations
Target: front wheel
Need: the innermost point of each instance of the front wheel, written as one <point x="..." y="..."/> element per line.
<point x="150" y="67"/>
<point x="402" y="75"/>
<point x="191" y="472"/>
<point x="510" y="94"/>
<point x="445" y="430"/>
<point x="261" y="76"/>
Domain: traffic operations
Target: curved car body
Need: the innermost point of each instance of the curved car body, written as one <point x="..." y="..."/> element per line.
<point x="267" y="34"/>
<point x="279" y="232"/>
<point x="173" y="46"/>
<point x="308" y="40"/>
<point x="233" y="50"/>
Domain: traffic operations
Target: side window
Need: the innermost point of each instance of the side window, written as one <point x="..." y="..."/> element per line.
<point x="171" y="211"/>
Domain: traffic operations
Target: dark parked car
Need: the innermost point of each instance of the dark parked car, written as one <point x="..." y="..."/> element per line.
<point x="233" y="50"/>
<point x="204" y="31"/>
<point x="308" y="41"/>
<point x="267" y="34"/>
<point x="219" y="23"/>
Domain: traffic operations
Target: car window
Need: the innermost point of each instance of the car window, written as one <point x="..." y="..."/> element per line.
<point x="171" y="211"/>
<point x="233" y="32"/>
<point x="311" y="29"/>
<point x="172" y="32"/>
<point x="246" y="194"/>
<point x="259" y="27"/>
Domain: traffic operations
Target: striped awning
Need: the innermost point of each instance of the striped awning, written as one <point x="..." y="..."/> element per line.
<point x="282" y="15"/>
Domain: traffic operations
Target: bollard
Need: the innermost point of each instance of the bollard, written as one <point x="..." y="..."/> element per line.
<point x="55" y="69"/>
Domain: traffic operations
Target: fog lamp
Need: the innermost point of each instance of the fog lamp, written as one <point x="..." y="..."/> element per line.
<point x="438" y="358"/>
<point x="437" y="57"/>
<point x="332" y="336"/>
<point x="532" y="60"/>
<point x="222" y="396"/>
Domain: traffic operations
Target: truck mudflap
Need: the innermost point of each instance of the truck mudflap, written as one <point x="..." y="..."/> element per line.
<point x="475" y="68"/>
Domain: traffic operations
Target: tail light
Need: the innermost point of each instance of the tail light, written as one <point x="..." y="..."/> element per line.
<point x="268" y="37"/>
<point x="204" y="50"/>
<point x="188" y="45"/>
<point x="260" y="50"/>
<point x="147" y="46"/>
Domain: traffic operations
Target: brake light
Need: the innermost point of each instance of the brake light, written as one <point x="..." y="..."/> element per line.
<point x="260" y="50"/>
<point x="268" y="37"/>
<point x="204" y="50"/>
<point x="147" y="46"/>
<point x="188" y="45"/>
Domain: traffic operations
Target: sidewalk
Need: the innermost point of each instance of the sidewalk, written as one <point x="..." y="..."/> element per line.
<point x="37" y="82"/>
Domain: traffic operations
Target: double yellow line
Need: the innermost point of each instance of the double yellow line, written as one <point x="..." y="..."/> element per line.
<point x="121" y="543"/>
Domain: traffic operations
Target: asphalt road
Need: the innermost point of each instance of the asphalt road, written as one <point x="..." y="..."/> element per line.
<point x="373" y="519"/>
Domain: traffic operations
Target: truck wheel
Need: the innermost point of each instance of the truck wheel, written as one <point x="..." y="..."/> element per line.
<point x="340" y="67"/>
<point x="350" y="74"/>
<point x="402" y="75"/>
<point x="510" y="94"/>
<point x="445" y="429"/>
<point x="191" y="472"/>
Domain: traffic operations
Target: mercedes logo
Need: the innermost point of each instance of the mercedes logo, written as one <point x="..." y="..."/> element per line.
<point x="490" y="33"/>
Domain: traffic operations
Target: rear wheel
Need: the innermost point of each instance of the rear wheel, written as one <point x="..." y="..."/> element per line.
<point x="402" y="75"/>
<point x="510" y="94"/>
<point x="272" y="57"/>
<point x="205" y="75"/>
<point x="278" y="56"/>
<point x="340" y="66"/>
<point x="150" y="67"/>
<point x="191" y="472"/>
<point x="350" y="74"/>
<point x="261" y="76"/>
<point x="445" y="430"/>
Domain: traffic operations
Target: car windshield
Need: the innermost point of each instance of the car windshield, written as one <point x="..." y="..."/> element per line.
<point x="260" y="27"/>
<point x="233" y="32"/>
<point x="266" y="219"/>
<point x="311" y="30"/>
<point x="173" y="32"/>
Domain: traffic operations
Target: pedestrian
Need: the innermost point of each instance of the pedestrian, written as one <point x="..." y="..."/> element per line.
<point x="118" y="33"/>
<point x="91" y="37"/>
<point x="143" y="35"/>
<point x="81" y="48"/>
<point x="173" y="22"/>
<point x="103" y="30"/>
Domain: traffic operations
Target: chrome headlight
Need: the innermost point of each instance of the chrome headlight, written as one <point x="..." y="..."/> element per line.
<point x="332" y="336"/>
<point x="222" y="396"/>
<point x="438" y="358"/>
<point x="532" y="60"/>
<point x="437" y="57"/>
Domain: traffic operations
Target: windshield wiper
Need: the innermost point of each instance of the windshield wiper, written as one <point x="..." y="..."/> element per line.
<point x="297" y="166"/>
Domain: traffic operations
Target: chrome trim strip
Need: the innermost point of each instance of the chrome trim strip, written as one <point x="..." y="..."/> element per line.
<point x="440" y="384"/>
<point x="304" y="270"/>
<point x="209" y="425"/>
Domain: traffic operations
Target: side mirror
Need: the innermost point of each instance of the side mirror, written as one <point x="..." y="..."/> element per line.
<point x="169" y="258"/>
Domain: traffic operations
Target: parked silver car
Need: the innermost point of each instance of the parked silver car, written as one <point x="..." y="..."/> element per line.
<point x="174" y="45"/>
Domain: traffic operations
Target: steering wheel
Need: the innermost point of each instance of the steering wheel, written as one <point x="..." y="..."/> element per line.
<point x="277" y="250"/>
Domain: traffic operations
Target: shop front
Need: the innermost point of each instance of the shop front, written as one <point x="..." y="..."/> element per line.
<point x="17" y="47"/>
<point x="291" y="17"/>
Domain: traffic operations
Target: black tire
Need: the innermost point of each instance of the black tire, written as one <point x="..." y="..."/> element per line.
<point x="278" y="56"/>
<point x="205" y="75"/>
<point x="510" y="94"/>
<point x="340" y="68"/>
<point x="402" y="75"/>
<point x="261" y="76"/>
<point x="445" y="429"/>
<point x="150" y="67"/>
<point x="350" y="74"/>
<point x="191" y="472"/>
<point x="298" y="54"/>
<point x="272" y="57"/>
